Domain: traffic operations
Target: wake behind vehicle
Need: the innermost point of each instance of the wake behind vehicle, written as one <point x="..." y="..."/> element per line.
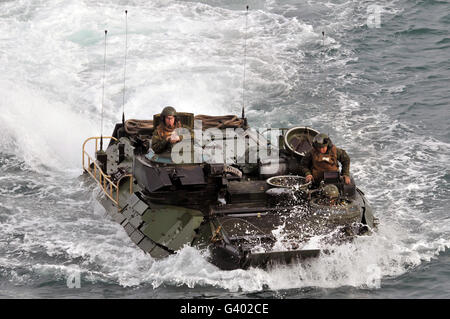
<point x="225" y="188"/>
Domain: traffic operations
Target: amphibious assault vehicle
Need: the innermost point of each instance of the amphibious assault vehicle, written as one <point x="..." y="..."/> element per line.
<point x="228" y="189"/>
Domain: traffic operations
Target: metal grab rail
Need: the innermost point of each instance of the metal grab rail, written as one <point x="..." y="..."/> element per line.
<point x="106" y="184"/>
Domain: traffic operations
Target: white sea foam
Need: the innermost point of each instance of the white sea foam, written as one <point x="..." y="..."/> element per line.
<point x="44" y="132"/>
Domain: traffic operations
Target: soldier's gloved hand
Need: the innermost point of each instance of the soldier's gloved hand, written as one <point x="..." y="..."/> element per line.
<point x="346" y="179"/>
<point x="309" y="178"/>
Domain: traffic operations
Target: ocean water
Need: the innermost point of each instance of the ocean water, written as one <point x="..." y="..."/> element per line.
<point x="377" y="82"/>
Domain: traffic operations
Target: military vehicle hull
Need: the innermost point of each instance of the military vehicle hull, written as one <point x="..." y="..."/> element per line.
<point x="231" y="210"/>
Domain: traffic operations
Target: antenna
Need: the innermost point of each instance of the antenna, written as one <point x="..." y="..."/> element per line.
<point x="103" y="93"/>
<point x="245" y="62"/>
<point x="125" y="67"/>
<point x="322" y="64"/>
<point x="323" y="45"/>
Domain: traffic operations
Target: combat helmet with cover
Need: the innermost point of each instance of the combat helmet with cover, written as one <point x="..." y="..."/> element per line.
<point x="321" y="140"/>
<point x="330" y="191"/>
<point x="168" y="111"/>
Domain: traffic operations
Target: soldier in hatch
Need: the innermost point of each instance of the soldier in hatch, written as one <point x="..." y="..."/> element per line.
<point x="165" y="135"/>
<point x="330" y="195"/>
<point x="324" y="157"/>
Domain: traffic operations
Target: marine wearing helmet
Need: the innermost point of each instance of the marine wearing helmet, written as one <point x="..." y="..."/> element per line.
<point x="330" y="191"/>
<point x="324" y="157"/>
<point x="321" y="140"/>
<point x="330" y="195"/>
<point x="165" y="134"/>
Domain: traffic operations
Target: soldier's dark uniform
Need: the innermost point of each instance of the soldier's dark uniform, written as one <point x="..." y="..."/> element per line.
<point x="160" y="142"/>
<point x="159" y="139"/>
<point x="315" y="163"/>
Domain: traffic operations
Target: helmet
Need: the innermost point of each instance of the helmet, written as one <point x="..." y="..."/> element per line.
<point x="168" y="111"/>
<point x="321" y="140"/>
<point x="331" y="191"/>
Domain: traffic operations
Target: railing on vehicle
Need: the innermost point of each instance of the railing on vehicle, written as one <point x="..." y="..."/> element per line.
<point x="90" y="165"/>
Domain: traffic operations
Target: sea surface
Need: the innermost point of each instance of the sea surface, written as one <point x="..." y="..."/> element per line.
<point x="374" y="75"/>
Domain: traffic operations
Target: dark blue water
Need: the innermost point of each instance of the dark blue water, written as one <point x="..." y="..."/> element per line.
<point x="376" y="82"/>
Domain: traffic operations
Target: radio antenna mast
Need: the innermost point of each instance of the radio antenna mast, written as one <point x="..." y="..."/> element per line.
<point x="245" y="62"/>
<point x="323" y="57"/>
<point x="103" y="94"/>
<point x="125" y="67"/>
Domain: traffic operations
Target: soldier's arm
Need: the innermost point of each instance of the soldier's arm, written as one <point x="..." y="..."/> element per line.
<point x="344" y="159"/>
<point x="305" y="164"/>
<point x="158" y="144"/>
